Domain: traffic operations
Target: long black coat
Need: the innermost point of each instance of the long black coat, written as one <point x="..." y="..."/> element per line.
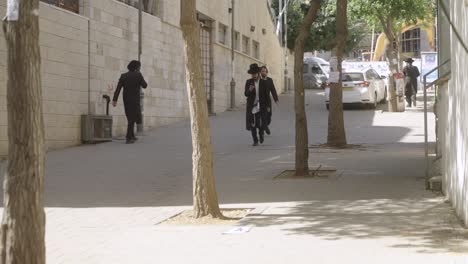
<point x="270" y="86"/>
<point x="131" y="82"/>
<point x="264" y="100"/>
<point x="411" y="80"/>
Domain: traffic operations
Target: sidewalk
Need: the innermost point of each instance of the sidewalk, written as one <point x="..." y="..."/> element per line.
<point x="104" y="201"/>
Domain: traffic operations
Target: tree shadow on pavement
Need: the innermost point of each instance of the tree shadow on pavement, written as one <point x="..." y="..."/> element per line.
<point x="404" y="223"/>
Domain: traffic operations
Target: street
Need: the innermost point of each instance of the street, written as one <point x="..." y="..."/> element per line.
<point x="104" y="201"/>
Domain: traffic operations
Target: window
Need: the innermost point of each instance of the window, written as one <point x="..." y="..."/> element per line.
<point x="236" y="40"/>
<point x="352" y="77"/>
<point x="222" y="34"/>
<point x="411" y="41"/>
<point x="70" y="5"/>
<point x="153" y="7"/>
<point x="256" y="49"/>
<point x="246" y="45"/>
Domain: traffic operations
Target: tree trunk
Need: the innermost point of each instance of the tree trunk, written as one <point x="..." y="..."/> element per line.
<point x="23" y="223"/>
<point x="392" y="59"/>
<point x="302" y="140"/>
<point x="336" y="129"/>
<point x="205" y="199"/>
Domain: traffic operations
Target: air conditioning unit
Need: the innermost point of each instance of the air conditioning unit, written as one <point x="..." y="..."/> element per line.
<point x="96" y="128"/>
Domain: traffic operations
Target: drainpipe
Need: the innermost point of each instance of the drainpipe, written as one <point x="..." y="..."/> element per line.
<point x="140" y="45"/>
<point x="233" y="82"/>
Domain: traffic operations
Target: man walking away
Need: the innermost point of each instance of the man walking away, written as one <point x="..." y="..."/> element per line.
<point x="255" y="110"/>
<point x="131" y="82"/>
<point x="411" y="81"/>
<point x="270" y="86"/>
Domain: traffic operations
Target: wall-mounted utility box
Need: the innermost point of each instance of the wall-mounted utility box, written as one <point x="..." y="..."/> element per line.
<point x="96" y="128"/>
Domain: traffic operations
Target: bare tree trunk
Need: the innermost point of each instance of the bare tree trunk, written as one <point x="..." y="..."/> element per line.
<point x="205" y="199"/>
<point x="23" y="223"/>
<point x="392" y="59"/>
<point x="336" y="129"/>
<point x="302" y="137"/>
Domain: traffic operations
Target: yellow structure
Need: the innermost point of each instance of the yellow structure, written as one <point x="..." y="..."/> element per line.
<point x="382" y="40"/>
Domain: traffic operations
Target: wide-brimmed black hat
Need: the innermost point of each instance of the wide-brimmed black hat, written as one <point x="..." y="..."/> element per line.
<point x="134" y="65"/>
<point x="409" y="60"/>
<point x="253" y="69"/>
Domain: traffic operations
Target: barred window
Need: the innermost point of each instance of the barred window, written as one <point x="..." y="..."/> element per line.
<point x="70" y="5"/>
<point x="411" y="41"/>
<point x="246" y="45"/>
<point x="256" y="49"/>
<point x="153" y="7"/>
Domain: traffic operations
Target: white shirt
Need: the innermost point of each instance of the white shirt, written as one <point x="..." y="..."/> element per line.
<point x="256" y="108"/>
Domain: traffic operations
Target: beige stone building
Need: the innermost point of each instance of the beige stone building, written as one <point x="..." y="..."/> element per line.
<point x="86" y="45"/>
<point x="452" y="107"/>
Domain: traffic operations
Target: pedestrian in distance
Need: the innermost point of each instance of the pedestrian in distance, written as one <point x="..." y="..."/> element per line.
<point x="131" y="82"/>
<point x="270" y="86"/>
<point x="411" y="81"/>
<point x="257" y="104"/>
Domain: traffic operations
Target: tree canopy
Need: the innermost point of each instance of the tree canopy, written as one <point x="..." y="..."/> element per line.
<point x="322" y="33"/>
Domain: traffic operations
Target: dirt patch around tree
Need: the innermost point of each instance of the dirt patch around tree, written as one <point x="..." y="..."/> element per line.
<point x="316" y="172"/>
<point x="231" y="216"/>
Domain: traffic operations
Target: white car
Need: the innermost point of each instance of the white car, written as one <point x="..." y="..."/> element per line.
<point x="361" y="86"/>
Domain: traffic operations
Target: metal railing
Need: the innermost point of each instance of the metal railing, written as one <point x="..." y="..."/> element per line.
<point x="441" y="78"/>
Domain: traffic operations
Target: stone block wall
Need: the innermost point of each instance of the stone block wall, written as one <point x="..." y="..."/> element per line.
<point x="112" y="41"/>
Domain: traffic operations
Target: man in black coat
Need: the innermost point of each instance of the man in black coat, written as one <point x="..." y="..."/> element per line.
<point x="411" y="81"/>
<point x="270" y="86"/>
<point x="131" y="82"/>
<point x="257" y="104"/>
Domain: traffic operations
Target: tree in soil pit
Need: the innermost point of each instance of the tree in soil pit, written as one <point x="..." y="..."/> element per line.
<point x="205" y="199"/>
<point x="302" y="140"/>
<point x="23" y="223"/>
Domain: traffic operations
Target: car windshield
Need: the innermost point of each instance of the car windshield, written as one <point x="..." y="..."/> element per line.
<point x="326" y="68"/>
<point x="352" y="77"/>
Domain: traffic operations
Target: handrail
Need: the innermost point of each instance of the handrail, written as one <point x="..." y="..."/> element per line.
<point x="426" y="143"/>
<point x="433" y="70"/>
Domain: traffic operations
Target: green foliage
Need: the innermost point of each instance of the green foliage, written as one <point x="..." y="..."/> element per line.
<point x="322" y="35"/>
<point x="401" y="12"/>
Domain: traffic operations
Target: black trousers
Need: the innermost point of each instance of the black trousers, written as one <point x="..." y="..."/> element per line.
<point x="133" y="114"/>
<point x="257" y="127"/>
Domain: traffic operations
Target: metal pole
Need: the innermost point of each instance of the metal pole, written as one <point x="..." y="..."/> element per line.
<point x="233" y="36"/>
<point x="286" y="87"/>
<point x="140" y="48"/>
<point x="371" y="57"/>
<point x="89" y="67"/>
<point x="426" y="145"/>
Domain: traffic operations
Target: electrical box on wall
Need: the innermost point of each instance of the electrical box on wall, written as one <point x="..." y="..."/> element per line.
<point x="96" y="128"/>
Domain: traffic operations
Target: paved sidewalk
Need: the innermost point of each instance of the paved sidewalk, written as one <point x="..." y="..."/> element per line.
<point x="104" y="209"/>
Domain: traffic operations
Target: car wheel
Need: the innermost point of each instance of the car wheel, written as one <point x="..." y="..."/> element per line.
<point x="374" y="105"/>
<point x="384" y="100"/>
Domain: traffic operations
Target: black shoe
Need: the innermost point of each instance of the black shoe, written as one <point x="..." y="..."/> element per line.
<point x="267" y="130"/>
<point x="130" y="141"/>
<point x="261" y="139"/>
<point x="134" y="138"/>
<point x="255" y="144"/>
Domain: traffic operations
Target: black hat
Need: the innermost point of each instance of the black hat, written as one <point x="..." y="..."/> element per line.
<point x="409" y="60"/>
<point x="134" y="65"/>
<point x="253" y="69"/>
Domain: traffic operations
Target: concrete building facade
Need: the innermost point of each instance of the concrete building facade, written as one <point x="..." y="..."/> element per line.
<point x="86" y="46"/>
<point x="452" y="107"/>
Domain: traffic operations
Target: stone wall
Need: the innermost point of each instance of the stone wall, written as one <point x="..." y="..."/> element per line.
<point x="452" y="111"/>
<point x="113" y="41"/>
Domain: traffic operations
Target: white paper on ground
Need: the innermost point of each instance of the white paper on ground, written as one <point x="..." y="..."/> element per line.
<point x="334" y="77"/>
<point x="12" y="10"/>
<point x="237" y="230"/>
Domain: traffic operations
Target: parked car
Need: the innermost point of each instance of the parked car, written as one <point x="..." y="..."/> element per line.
<point x="361" y="86"/>
<point x="316" y="71"/>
